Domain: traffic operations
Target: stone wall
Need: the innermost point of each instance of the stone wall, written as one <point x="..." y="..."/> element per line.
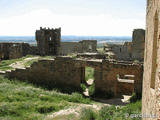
<point x="89" y="45"/>
<point x="70" y="47"/>
<point x="120" y="51"/>
<point x="91" y="55"/>
<point x="48" y="41"/>
<point x="51" y="74"/>
<point x="69" y="73"/>
<point x="15" y="50"/>
<point x="151" y="77"/>
<point x="78" y="47"/>
<point x="109" y="82"/>
<point x="129" y="50"/>
<point x="138" y="40"/>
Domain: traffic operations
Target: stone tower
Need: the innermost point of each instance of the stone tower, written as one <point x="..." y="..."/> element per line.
<point x="48" y="41"/>
<point x="138" y="40"/>
<point x="151" y="77"/>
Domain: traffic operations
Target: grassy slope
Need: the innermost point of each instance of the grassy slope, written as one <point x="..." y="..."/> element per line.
<point x="23" y="101"/>
<point x="127" y="112"/>
<point x="4" y="64"/>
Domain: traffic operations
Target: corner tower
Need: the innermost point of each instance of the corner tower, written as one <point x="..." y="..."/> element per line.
<point x="48" y="41"/>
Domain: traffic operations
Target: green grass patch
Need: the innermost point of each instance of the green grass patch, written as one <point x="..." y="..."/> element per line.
<point x="113" y="112"/>
<point x="29" y="63"/>
<point x="4" y="64"/>
<point x="20" y="100"/>
<point x="91" y="89"/>
<point x="88" y="114"/>
<point x="89" y="73"/>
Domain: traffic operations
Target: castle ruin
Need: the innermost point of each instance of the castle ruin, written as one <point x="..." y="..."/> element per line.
<point x="129" y="51"/>
<point x="48" y="41"/>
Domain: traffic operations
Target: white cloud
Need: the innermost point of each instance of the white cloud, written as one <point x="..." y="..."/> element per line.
<point x="71" y="25"/>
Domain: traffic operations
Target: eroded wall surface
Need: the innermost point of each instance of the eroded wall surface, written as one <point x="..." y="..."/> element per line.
<point x="129" y="50"/>
<point x="48" y="41"/>
<point x="66" y="72"/>
<point x="78" y="47"/>
<point x="121" y="51"/>
<point x="138" y="40"/>
<point x="15" y="50"/>
<point x="151" y="77"/>
<point x="70" y="47"/>
<point x="51" y="74"/>
<point x="109" y="83"/>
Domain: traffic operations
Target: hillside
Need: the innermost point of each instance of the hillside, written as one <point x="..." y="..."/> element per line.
<point x="24" y="101"/>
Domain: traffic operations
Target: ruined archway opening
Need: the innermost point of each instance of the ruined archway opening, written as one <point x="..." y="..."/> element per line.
<point x="89" y="86"/>
<point x="154" y="51"/>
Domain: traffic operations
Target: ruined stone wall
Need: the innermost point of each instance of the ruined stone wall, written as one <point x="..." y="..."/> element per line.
<point x="109" y="82"/>
<point x="151" y="77"/>
<point x="78" y="47"/>
<point x="138" y="40"/>
<point x="121" y="51"/>
<point x="61" y="73"/>
<point x="14" y="50"/>
<point x="48" y="41"/>
<point x="89" y="45"/>
<point x="129" y="50"/>
<point x="66" y="72"/>
<point x="70" y="47"/>
<point x="91" y="55"/>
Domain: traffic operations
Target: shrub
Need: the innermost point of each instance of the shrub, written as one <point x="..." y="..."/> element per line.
<point x="135" y="97"/>
<point x="89" y="73"/>
<point x="45" y="108"/>
<point x="107" y="112"/>
<point x="88" y="114"/>
<point x="91" y="90"/>
<point x="83" y="86"/>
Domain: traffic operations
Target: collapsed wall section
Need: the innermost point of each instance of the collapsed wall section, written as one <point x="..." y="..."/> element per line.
<point x="68" y="73"/>
<point x="15" y="50"/>
<point x="78" y="47"/>
<point x="60" y="74"/>
<point x="109" y="81"/>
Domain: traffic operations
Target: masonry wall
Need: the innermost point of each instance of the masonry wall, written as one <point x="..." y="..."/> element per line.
<point x="48" y="41"/>
<point x="15" y="50"/>
<point x="89" y="45"/>
<point x="129" y="50"/>
<point x="70" y="47"/>
<point x="121" y="51"/>
<point x="65" y="72"/>
<point x="78" y="47"/>
<point x="151" y="77"/>
<point x="138" y="40"/>
<point x="110" y="84"/>
<point x="51" y="74"/>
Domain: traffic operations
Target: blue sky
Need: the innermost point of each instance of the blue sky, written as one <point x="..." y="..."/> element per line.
<point x="75" y="17"/>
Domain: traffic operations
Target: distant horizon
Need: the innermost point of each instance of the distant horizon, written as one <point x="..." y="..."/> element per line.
<point x="75" y="17"/>
<point x="63" y="35"/>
